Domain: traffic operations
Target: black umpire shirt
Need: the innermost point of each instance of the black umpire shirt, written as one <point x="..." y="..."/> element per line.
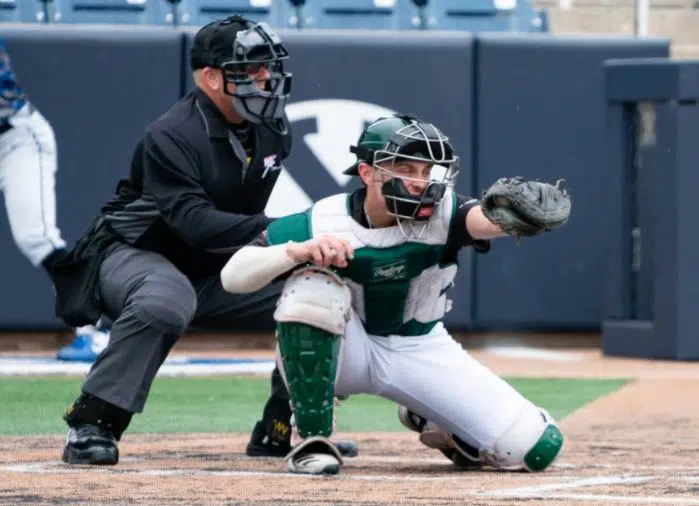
<point x="198" y="186"/>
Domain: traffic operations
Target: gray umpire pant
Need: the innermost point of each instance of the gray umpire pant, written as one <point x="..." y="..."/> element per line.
<point x="151" y="304"/>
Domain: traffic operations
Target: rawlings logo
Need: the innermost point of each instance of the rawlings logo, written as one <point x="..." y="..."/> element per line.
<point x="394" y="271"/>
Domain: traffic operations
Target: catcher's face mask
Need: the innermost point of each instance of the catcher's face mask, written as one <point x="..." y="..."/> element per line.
<point x="254" y="50"/>
<point x="415" y="168"/>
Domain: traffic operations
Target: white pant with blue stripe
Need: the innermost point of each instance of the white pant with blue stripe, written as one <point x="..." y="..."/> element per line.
<point x="27" y="179"/>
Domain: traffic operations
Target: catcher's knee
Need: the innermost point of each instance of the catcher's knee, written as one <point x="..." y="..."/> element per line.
<point x="316" y="297"/>
<point x="532" y="443"/>
<point x="311" y="315"/>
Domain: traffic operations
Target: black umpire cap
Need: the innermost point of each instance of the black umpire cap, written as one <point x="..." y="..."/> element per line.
<point x="213" y="43"/>
<point x="239" y="48"/>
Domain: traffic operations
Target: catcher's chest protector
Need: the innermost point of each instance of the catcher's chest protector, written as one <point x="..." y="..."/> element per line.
<point x="398" y="285"/>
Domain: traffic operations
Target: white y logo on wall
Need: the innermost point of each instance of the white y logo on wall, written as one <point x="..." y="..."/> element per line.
<point x="340" y="123"/>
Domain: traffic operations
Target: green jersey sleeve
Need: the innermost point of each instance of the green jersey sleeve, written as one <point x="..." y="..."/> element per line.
<point x="295" y="227"/>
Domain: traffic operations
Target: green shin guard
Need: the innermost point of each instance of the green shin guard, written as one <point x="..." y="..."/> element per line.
<point x="310" y="357"/>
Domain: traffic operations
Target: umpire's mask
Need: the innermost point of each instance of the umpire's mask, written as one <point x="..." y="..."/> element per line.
<point x="253" y="49"/>
<point x="241" y="48"/>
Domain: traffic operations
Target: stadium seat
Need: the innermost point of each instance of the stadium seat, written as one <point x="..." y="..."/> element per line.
<point x="131" y="12"/>
<point x="464" y="15"/>
<point x="21" y="11"/>
<point x="200" y="12"/>
<point x="543" y="22"/>
<point x="530" y="19"/>
<point x="289" y="16"/>
<point x="353" y="14"/>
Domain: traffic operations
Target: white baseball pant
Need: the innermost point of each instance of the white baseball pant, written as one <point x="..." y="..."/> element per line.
<point x="432" y="375"/>
<point x="27" y="178"/>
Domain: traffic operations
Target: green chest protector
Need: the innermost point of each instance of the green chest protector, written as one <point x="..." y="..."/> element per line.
<point x="398" y="286"/>
<point x="387" y="286"/>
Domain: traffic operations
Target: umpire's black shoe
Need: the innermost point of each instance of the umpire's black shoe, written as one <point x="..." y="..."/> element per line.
<point x="279" y="443"/>
<point x="90" y="444"/>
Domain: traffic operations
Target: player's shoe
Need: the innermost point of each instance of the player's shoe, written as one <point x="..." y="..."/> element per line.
<point x="89" y="444"/>
<point x="273" y="438"/>
<point x="315" y="455"/>
<point x="347" y="447"/>
<point x="459" y="452"/>
<point x="430" y="434"/>
<point x="88" y="343"/>
<point x="411" y="420"/>
<point x="262" y="444"/>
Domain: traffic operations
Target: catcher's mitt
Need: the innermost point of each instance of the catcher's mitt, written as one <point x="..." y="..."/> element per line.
<point x="526" y="208"/>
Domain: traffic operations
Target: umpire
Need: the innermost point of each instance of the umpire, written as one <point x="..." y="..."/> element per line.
<point x="199" y="182"/>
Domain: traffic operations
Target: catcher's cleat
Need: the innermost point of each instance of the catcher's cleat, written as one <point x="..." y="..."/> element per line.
<point x="347" y="448"/>
<point x="452" y="447"/>
<point x="261" y="444"/>
<point x="430" y="434"/>
<point x="315" y="455"/>
<point x="90" y="445"/>
<point x="278" y="445"/>
<point x="411" y="420"/>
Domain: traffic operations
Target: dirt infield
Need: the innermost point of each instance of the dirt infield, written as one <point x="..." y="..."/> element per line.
<point x="635" y="446"/>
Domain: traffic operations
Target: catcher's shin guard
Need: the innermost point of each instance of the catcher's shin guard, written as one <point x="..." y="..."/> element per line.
<point x="310" y="360"/>
<point x="311" y="316"/>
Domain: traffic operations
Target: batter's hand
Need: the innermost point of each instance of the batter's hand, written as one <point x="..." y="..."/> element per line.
<point x="323" y="251"/>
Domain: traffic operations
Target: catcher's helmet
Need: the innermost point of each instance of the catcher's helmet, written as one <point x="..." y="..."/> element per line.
<point x="403" y="137"/>
<point x="239" y="48"/>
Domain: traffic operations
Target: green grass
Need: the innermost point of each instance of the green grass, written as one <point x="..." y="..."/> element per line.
<point x="34" y="406"/>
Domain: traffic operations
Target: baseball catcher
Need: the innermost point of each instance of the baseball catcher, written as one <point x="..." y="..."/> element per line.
<point x="366" y="281"/>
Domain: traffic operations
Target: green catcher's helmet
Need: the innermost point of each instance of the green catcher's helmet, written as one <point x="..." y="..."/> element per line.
<point x="404" y="137"/>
